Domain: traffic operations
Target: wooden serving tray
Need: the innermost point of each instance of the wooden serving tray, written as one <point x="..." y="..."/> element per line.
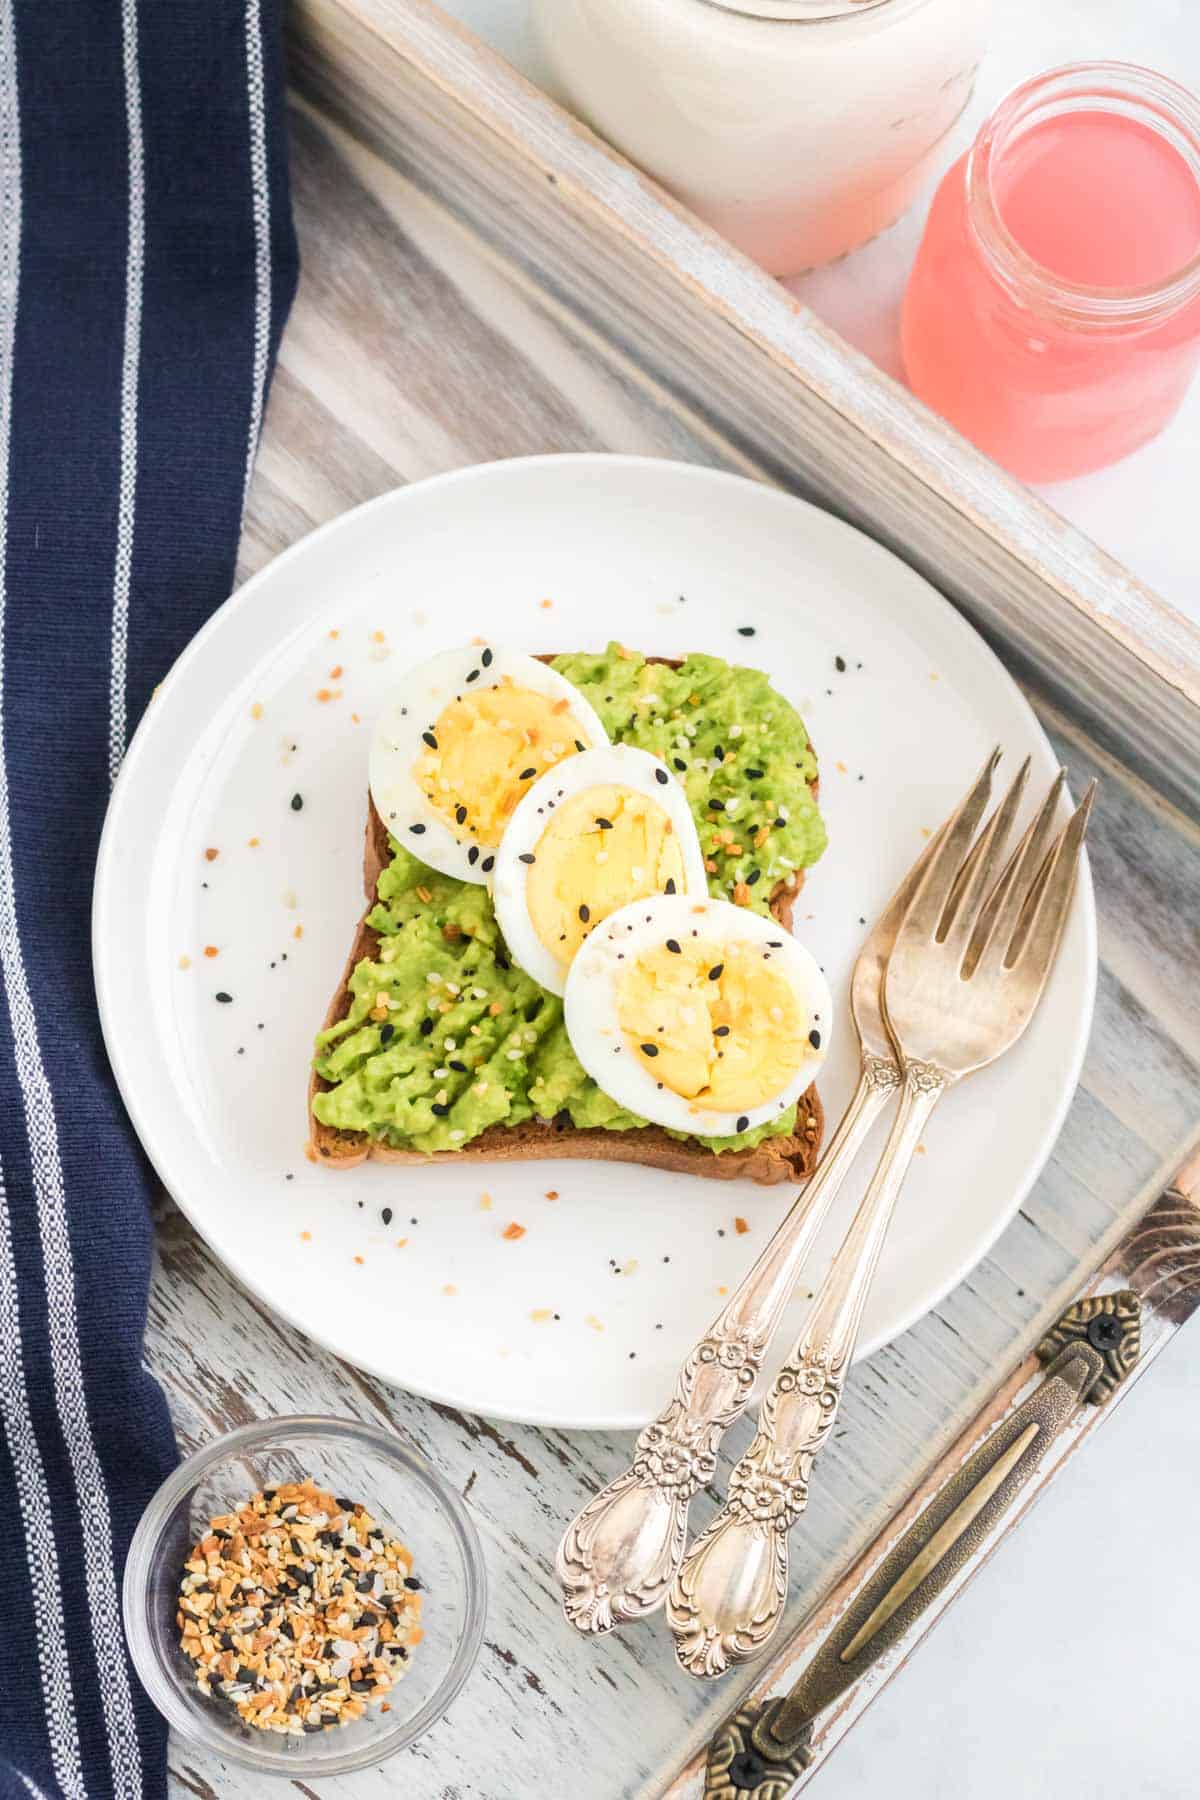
<point x="483" y="278"/>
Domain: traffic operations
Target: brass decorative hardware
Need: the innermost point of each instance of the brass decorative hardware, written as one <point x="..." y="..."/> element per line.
<point x="759" y="1753"/>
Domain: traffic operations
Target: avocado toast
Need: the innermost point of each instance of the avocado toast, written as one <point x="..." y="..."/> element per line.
<point x="436" y="1045"/>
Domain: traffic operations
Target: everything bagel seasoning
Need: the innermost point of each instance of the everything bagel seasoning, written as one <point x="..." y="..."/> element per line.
<point x="299" y="1609"/>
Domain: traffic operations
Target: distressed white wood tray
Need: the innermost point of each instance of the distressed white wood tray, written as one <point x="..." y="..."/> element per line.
<point x="483" y="279"/>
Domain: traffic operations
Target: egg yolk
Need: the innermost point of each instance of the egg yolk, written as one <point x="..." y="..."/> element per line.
<point x="485" y="749"/>
<point x="602" y="848"/>
<point x="719" y="1025"/>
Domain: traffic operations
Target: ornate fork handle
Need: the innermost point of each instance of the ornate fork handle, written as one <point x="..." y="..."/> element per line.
<point x="729" y="1593"/>
<point x="617" y="1559"/>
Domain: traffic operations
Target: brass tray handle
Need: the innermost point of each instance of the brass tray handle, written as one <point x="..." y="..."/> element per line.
<point x="762" y="1750"/>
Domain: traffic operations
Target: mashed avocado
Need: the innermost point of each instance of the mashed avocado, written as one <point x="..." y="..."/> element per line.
<point x="446" y="1036"/>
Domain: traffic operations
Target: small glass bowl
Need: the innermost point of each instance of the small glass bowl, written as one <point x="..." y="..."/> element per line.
<point x="400" y="1489"/>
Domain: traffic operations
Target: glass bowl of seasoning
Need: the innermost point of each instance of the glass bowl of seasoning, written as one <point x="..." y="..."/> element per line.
<point x="305" y="1596"/>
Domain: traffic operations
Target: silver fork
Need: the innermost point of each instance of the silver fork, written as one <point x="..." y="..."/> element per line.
<point x="966" y="971"/>
<point x="617" y="1559"/>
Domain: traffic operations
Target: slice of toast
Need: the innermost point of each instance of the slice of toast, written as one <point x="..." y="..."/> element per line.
<point x="774" y="1159"/>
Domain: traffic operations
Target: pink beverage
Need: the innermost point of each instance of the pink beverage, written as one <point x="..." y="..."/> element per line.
<point x="1053" y="311"/>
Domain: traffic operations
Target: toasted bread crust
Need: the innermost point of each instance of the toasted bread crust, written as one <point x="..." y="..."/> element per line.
<point x="775" y="1159"/>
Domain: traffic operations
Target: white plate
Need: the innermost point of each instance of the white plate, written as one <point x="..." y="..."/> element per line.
<point x="551" y="553"/>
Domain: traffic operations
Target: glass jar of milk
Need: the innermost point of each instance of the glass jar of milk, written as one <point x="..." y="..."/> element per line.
<point x="798" y="128"/>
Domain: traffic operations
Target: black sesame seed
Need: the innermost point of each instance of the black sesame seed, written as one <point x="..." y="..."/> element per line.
<point x="716" y="972"/>
<point x="527" y="775"/>
<point x="488" y="864"/>
<point x="460" y="1068"/>
<point x="660" y="775"/>
<point x="527" y="856"/>
<point x="679" y="763"/>
<point x="439" y="1112"/>
<point x="486" y="659"/>
<point x="743" y="1123"/>
<point x="585" y="913"/>
<point x="427" y="737"/>
<point x="721" y="1031"/>
<point x="474" y="675"/>
<point x="778" y="822"/>
<point x="473" y="855"/>
<point x="839" y="663"/>
<point x="417" y="830"/>
<point x="718" y="753"/>
<point x="605" y="824"/>
<point x="502" y="961"/>
<point x="579" y="745"/>
<point x="460" y="815"/>
<point x="746" y="630"/>
<point x="387" y="1033"/>
<point x="670" y="884"/>
<point x="297" y="802"/>
<point x="717" y="805"/>
<point x="673" y="947"/>
<point x="224" y="998"/>
<point x="754" y="774"/>
<point x="426" y="1026"/>
<point x="814" y="1038"/>
<point x="648" y="1049"/>
<point x="412" y="1584"/>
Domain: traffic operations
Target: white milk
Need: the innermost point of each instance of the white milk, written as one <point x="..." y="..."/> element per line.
<point x="798" y="128"/>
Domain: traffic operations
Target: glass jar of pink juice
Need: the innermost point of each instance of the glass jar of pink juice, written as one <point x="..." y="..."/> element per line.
<point x="1053" y="311"/>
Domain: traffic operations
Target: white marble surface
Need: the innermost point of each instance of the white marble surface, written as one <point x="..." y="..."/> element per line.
<point x="1141" y="508"/>
<point x="1071" y="1666"/>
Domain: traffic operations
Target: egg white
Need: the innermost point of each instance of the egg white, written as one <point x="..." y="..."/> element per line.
<point x="612" y="765"/>
<point x="419" y="700"/>
<point x="590" y="1006"/>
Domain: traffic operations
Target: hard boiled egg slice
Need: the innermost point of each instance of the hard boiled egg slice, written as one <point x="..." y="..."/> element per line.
<point x="610" y="826"/>
<point x="697" y="1014"/>
<point x="466" y="735"/>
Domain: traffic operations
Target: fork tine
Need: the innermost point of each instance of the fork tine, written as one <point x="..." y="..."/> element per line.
<point x="954" y="841"/>
<point x="994" y="930"/>
<point x="974" y="881"/>
<point x="1040" y="927"/>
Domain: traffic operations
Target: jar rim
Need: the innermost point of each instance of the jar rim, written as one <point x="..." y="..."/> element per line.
<point x="1126" y="89"/>
<point x="804" y="12"/>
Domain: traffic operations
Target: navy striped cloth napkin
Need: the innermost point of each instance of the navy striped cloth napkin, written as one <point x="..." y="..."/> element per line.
<point x="147" y="261"/>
